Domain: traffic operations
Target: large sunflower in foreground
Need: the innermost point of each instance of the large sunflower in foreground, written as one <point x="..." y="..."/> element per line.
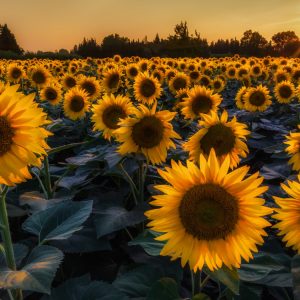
<point x="109" y="111"/>
<point x="226" y="137"/>
<point x="209" y="217"/>
<point x="257" y="98"/>
<point x="200" y="100"/>
<point x="148" y="132"/>
<point x="22" y="137"/>
<point x="289" y="214"/>
<point x="293" y="149"/>
<point x="76" y="103"/>
<point x="146" y="88"/>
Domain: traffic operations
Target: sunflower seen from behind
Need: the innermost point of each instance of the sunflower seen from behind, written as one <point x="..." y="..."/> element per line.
<point x="208" y="216"/>
<point x="288" y="214"/>
<point x="149" y="132"/>
<point x="109" y="111"/>
<point x="23" y="137"/>
<point x="200" y="100"/>
<point x="76" y="103"/>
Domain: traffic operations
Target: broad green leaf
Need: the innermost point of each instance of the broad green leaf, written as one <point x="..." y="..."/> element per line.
<point x="201" y="296"/>
<point x="20" y="252"/>
<point x="60" y="221"/>
<point x="38" y="272"/>
<point x="148" y="242"/>
<point x="229" y="278"/>
<point x="82" y="288"/>
<point x="114" y="218"/>
<point x="296" y="275"/>
<point x="164" y="289"/>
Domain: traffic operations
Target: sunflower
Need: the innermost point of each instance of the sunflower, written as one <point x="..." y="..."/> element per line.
<point x="217" y="85"/>
<point x="257" y="98"/>
<point x="76" y="103"/>
<point x="69" y="81"/>
<point x="40" y="76"/>
<point x="109" y="111"/>
<point x="179" y="81"/>
<point x="231" y="72"/>
<point x="15" y="73"/>
<point x="226" y="137"/>
<point x="112" y="80"/>
<point x="289" y="214"/>
<point x="147" y="89"/>
<point x="200" y="100"/>
<point x="51" y="93"/>
<point x="90" y="85"/>
<point x="284" y="91"/>
<point x="280" y="76"/>
<point x="148" y="132"/>
<point x="256" y="70"/>
<point x="22" y="142"/>
<point x="209" y="217"/>
<point x="132" y="71"/>
<point x="293" y="149"/>
<point x="239" y="98"/>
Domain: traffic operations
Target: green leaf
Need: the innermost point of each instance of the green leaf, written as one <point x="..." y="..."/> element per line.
<point x="38" y="273"/>
<point x="296" y="275"/>
<point x="148" y="242"/>
<point x="201" y="296"/>
<point x="111" y="219"/>
<point x="60" y="221"/>
<point x="20" y="251"/>
<point x="65" y="147"/>
<point x="164" y="289"/>
<point x="82" y="288"/>
<point x="229" y="278"/>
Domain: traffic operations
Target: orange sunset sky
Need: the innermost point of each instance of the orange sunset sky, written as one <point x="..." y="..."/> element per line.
<point x="54" y="24"/>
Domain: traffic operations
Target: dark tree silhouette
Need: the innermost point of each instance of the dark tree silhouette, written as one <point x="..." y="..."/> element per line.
<point x="253" y="43"/>
<point x="285" y="43"/>
<point x="8" y="41"/>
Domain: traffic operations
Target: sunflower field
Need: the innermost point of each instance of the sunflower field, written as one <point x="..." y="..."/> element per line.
<point x="158" y="179"/>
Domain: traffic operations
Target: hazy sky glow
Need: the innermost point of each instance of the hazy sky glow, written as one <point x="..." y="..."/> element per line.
<point x="54" y="24"/>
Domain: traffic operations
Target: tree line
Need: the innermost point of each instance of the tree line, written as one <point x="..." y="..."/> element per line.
<point x="181" y="43"/>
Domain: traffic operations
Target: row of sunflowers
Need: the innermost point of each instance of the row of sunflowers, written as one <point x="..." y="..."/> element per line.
<point x="199" y="158"/>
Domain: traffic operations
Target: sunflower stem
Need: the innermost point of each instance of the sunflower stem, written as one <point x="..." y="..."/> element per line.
<point x="47" y="178"/>
<point x="197" y="282"/>
<point x="204" y="282"/>
<point x="141" y="181"/>
<point x="6" y="238"/>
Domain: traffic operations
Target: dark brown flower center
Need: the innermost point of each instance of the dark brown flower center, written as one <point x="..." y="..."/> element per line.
<point x="194" y="75"/>
<point x="257" y="98"/>
<point x="112" y="115"/>
<point x="16" y="73"/>
<point x="219" y="137"/>
<point x="113" y="81"/>
<point x="201" y="104"/>
<point x="6" y="136"/>
<point x="217" y="85"/>
<point x="148" y="132"/>
<point x="89" y="87"/>
<point x="50" y="94"/>
<point x="281" y="77"/>
<point x="208" y="212"/>
<point x="285" y="91"/>
<point x="147" y="88"/>
<point x="133" y="71"/>
<point x="179" y="83"/>
<point x="70" y="82"/>
<point x="204" y="81"/>
<point x="39" y="77"/>
<point x="77" y="103"/>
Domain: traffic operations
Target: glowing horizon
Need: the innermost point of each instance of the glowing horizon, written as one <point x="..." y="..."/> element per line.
<point x="53" y="25"/>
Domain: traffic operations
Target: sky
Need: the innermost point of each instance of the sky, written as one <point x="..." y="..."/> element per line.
<point x="50" y="25"/>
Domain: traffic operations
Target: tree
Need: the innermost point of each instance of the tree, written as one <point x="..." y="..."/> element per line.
<point x="285" y="42"/>
<point x="8" y="41"/>
<point x="253" y="43"/>
<point x="181" y="31"/>
<point x="87" y="48"/>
